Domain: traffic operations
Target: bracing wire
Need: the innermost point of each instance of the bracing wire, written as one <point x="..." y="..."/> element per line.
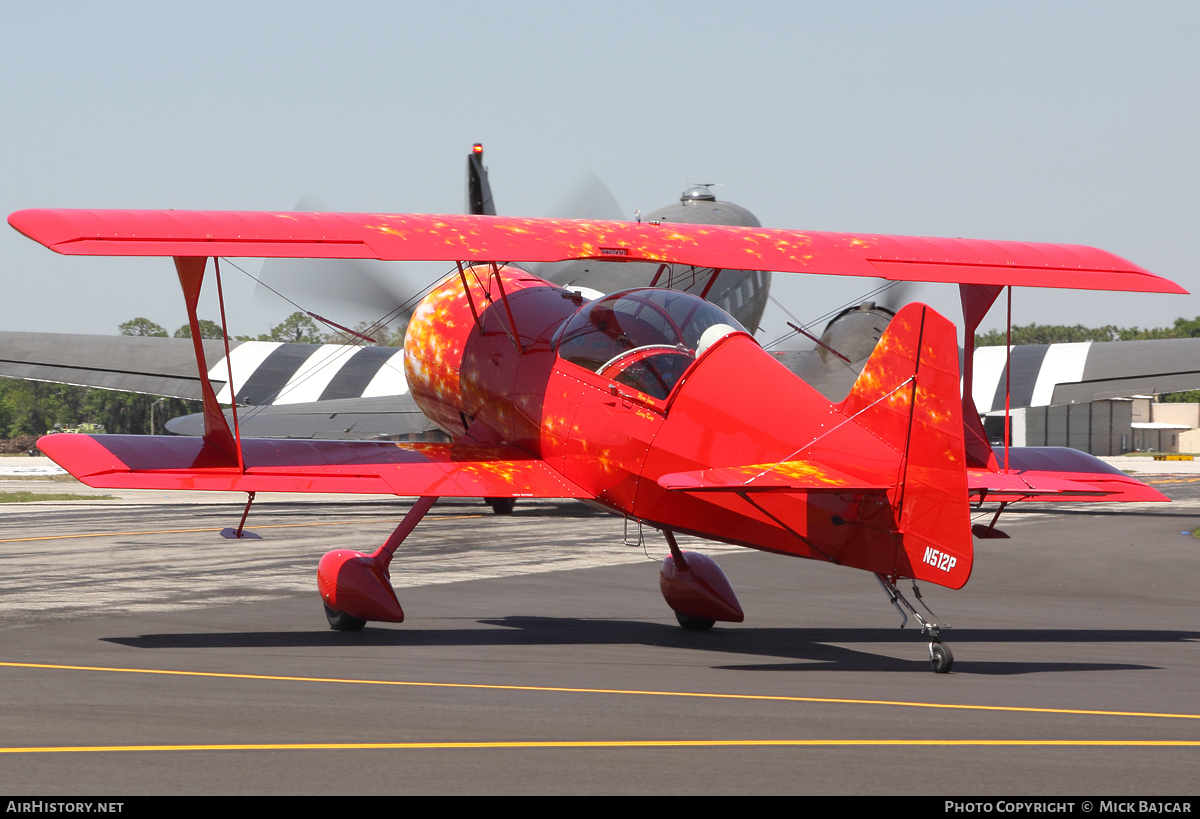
<point x="883" y="288"/>
<point x="350" y="340"/>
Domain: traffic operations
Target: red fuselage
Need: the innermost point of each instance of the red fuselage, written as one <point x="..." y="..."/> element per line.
<point x="613" y="395"/>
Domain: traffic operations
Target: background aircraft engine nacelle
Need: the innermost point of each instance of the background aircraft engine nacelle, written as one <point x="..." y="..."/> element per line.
<point x="699" y="589"/>
<point x="855" y="332"/>
<point x="353" y="583"/>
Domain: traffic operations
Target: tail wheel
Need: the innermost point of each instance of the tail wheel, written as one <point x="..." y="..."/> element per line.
<point x="694" y="623"/>
<point x="940" y="658"/>
<point x="340" y="621"/>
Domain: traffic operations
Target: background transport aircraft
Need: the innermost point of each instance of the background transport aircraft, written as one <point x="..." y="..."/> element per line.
<point x="635" y="402"/>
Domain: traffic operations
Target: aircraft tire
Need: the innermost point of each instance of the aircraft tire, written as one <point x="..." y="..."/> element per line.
<point x="502" y="506"/>
<point x="941" y="658"/>
<point x="340" y="621"/>
<point x="694" y="623"/>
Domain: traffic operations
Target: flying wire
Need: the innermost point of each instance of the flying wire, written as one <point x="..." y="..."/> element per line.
<point x="883" y="288"/>
<point x="353" y="341"/>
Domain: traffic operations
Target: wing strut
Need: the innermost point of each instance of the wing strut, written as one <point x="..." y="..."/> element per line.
<point x="470" y="301"/>
<point x="977" y="299"/>
<point x="218" y="438"/>
<point x="237" y="432"/>
<point x="1008" y="381"/>
<point x="515" y="335"/>
<point x="713" y="280"/>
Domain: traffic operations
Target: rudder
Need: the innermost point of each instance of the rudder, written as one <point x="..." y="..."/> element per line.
<point x="908" y="396"/>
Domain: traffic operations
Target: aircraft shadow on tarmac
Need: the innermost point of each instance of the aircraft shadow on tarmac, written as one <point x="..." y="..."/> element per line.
<point x="806" y="649"/>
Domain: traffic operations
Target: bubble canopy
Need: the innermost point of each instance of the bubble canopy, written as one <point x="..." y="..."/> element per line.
<point x="644" y="338"/>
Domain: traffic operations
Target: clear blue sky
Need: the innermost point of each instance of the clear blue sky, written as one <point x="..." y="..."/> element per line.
<point x="1070" y="122"/>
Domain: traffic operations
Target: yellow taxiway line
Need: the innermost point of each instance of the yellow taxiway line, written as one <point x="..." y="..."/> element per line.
<point x="634" y="743"/>
<point x="621" y="692"/>
<point x="208" y="529"/>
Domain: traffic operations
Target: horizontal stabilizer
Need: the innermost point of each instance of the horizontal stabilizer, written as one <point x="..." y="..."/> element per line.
<point x="1012" y="486"/>
<point x="787" y="476"/>
<point x="362" y="467"/>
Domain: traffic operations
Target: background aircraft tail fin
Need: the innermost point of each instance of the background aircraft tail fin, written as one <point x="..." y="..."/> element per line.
<point x="908" y="396"/>
<point x="479" y="191"/>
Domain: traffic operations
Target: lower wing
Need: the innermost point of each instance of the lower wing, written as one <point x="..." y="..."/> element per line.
<point x="1056" y="474"/>
<point x="356" y="467"/>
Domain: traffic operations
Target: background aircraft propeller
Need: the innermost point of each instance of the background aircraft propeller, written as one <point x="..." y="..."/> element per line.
<point x="347" y="291"/>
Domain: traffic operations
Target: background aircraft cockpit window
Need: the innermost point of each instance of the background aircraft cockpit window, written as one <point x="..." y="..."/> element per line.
<point x="665" y="324"/>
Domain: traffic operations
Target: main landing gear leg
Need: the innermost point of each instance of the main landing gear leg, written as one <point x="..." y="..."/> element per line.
<point x="356" y="587"/>
<point x="696" y="589"/>
<point x="501" y="506"/>
<point x="941" y="659"/>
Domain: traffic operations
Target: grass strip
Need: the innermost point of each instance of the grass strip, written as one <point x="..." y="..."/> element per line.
<point x="32" y="497"/>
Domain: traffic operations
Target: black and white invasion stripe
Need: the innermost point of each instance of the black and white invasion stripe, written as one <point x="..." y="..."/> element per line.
<point x="275" y="373"/>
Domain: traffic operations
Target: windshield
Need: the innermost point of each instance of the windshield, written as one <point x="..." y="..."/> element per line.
<point x="605" y="335"/>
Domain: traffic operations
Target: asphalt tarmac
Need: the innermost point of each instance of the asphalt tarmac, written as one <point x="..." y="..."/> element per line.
<point x="141" y="653"/>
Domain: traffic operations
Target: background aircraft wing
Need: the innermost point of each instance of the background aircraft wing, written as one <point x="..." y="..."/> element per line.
<point x="1051" y="374"/>
<point x="294" y="390"/>
<point x="155" y="366"/>
<point x="394" y="418"/>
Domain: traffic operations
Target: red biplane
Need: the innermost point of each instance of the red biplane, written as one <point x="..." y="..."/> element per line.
<point x="651" y="403"/>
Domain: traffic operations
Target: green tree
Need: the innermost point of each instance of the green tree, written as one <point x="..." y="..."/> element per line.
<point x="142" y="327"/>
<point x="384" y="336"/>
<point x="1057" y="333"/>
<point x="33" y="407"/>
<point x="208" y="329"/>
<point x="1188" y="328"/>
<point x="297" y="328"/>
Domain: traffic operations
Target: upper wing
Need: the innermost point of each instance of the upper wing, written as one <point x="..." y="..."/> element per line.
<point x="366" y="467"/>
<point x="503" y="239"/>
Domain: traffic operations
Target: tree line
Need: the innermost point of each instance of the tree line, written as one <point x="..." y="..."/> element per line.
<point x="1060" y="333"/>
<point x="298" y="328"/>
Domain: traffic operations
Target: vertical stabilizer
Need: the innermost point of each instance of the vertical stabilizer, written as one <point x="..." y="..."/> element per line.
<point x="908" y="396"/>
